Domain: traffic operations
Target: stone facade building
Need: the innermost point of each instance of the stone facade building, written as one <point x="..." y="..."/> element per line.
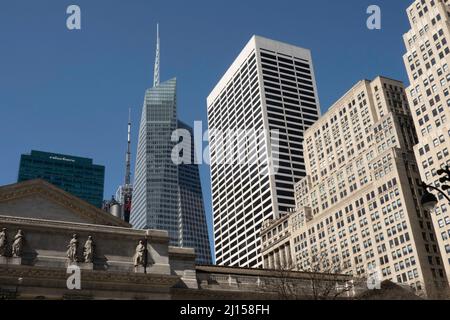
<point x="357" y="209"/>
<point x="49" y="217"/>
<point x="427" y="61"/>
<point x="276" y="243"/>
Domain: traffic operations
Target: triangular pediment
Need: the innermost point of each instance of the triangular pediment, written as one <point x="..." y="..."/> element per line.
<point x="38" y="199"/>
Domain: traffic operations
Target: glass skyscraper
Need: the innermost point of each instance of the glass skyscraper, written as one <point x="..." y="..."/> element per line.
<point x="155" y="195"/>
<point x="167" y="196"/>
<point x="76" y="175"/>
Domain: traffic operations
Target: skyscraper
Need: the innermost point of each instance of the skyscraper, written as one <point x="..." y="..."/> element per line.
<point x="427" y="61"/>
<point x="191" y="218"/>
<point x="269" y="88"/>
<point x="76" y="175"/>
<point x="358" y="209"/>
<point x="167" y="196"/>
<point x="155" y="203"/>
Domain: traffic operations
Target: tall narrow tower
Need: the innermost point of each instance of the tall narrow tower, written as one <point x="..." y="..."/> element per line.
<point x="128" y="187"/>
<point x="125" y="191"/>
<point x="128" y="156"/>
<point x="167" y="196"/>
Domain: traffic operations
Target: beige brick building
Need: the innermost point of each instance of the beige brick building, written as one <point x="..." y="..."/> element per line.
<point x="427" y="62"/>
<point x="357" y="210"/>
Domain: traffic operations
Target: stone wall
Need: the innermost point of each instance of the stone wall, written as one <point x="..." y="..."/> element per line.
<point x="112" y="274"/>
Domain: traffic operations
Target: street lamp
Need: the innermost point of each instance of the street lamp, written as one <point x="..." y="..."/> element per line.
<point x="147" y="232"/>
<point x="429" y="200"/>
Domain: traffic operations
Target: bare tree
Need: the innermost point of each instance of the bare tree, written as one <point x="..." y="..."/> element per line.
<point x="326" y="279"/>
<point x="439" y="293"/>
<point x="320" y="280"/>
<point x="285" y="285"/>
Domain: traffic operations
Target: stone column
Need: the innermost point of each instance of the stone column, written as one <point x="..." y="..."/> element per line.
<point x="271" y="260"/>
<point x="266" y="261"/>
<point x="277" y="259"/>
<point x="283" y="257"/>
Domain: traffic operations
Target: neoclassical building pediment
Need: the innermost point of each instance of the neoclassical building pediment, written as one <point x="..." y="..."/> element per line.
<point x="38" y="199"/>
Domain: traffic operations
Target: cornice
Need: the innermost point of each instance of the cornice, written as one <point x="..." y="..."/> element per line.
<point x="88" y="275"/>
<point x="36" y="224"/>
<point x="264" y="273"/>
<point x="188" y="253"/>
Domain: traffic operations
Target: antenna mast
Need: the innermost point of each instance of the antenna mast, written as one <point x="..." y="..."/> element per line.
<point x="128" y="155"/>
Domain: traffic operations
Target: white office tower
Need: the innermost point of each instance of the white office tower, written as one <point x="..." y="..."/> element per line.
<point x="427" y="61"/>
<point x="257" y="114"/>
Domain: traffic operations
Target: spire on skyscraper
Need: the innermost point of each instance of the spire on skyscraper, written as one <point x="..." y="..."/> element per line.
<point x="157" y="59"/>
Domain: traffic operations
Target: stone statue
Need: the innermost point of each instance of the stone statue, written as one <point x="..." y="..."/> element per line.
<point x="73" y="249"/>
<point x="89" y="250"/>
<point x="3" y="242"/>
<point x="17" y="245"/>
<point x="139" y="256"/>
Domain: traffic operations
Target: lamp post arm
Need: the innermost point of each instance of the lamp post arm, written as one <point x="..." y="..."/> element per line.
<point x="145" y="254"/>
<point x="146" y="251"/>
<point x="438" y="190"/>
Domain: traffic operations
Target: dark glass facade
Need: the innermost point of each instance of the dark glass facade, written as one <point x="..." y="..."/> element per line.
<point x="192" y="223"/>
<point x="76" y="175"/>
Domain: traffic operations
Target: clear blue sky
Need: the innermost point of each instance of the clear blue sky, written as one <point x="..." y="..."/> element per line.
<point x="69" y="91"/>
